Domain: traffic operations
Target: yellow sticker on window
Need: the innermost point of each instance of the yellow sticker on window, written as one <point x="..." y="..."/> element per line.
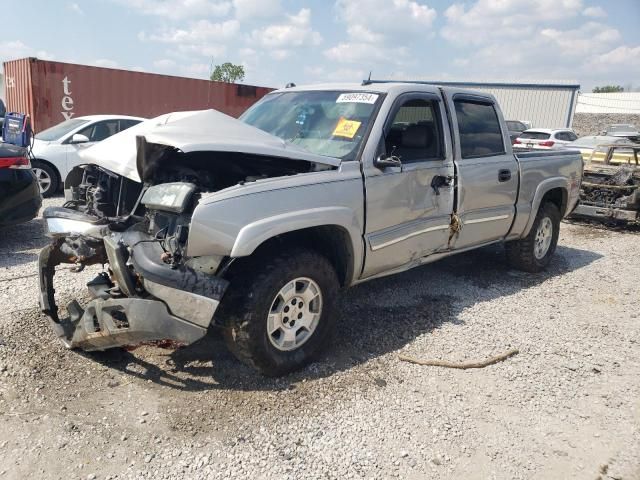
<point x="346" y="128"/>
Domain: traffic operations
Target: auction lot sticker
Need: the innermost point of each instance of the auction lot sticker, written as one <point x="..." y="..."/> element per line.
<point x="357" y="98"/>
<point x="346" y="128"/>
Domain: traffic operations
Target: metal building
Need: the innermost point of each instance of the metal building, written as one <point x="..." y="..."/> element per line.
<point x="545" y="105"/>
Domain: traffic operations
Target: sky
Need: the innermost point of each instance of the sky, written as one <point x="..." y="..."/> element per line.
<point x="593" y="42"/>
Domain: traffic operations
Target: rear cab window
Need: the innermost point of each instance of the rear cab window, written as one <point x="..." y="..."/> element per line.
<point x="478" y="128"/>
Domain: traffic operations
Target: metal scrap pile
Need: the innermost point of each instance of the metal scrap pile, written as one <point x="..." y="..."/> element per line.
<point x="610" y="190"/>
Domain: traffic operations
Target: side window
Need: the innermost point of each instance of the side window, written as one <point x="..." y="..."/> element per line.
<point x="561" y="136"/>
<point x="415" y="134"/>
<point x="479" y="129"/>
<point x="572" y="136"/>
<point x="124" y="124"/>
<point x="100" y="130"/>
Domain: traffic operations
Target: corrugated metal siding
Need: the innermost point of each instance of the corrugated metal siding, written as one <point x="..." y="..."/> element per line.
<point x="53" y="91"/>
<point x="544" y="108"/>
<point x="17" y="86"/>
<point x="546" y="105"/>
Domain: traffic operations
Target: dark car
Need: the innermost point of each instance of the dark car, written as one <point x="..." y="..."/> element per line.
<point x="515" y="128"/>
<point x="20" y="197"/>
<point x="3" y="112"/>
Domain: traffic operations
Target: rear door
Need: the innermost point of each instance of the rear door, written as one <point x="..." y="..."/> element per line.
<point x="407" y="218"/>
<point x="486" y="169"/>
<point x="563" y="138"/>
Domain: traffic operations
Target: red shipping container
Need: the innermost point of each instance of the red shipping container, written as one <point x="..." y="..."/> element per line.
<point x="54" y="91"/>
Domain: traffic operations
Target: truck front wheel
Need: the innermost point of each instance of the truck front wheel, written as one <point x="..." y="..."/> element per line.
<point x="533" y="252"/>
<point x="278" y="311"/>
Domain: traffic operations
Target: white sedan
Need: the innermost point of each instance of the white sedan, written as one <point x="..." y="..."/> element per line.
<point x="55" y="150"/>
<point x="545" y="138"/>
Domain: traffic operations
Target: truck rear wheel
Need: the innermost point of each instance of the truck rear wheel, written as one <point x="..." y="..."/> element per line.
<point x="278" y="311"/>
<point x="533" y="253"/>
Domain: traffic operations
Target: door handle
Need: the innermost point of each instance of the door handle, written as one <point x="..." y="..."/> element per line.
<point x="504" y="175"/>
<point x="439" y="181"/>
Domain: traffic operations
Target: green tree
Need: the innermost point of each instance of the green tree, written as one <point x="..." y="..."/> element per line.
<point x="228" y="72"/>
<point x="608" y="89"/>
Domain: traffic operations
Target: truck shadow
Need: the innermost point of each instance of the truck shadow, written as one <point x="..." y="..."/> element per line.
<point x="373" y="319"/>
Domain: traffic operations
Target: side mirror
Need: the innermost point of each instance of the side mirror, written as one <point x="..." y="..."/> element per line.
<point x="79" y="138"/>
<point x="384" y="161"/>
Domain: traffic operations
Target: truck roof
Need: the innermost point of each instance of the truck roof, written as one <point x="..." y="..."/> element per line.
<point x="379" y="87"/>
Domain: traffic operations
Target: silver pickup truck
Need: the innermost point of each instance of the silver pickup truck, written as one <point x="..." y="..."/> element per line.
<point x="253" y="225"/>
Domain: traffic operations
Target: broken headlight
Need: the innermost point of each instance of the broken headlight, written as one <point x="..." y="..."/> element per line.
<point x="171" y="197"/>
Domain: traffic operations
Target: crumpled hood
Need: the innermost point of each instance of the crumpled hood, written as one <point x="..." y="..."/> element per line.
<point x="204" y="130"/>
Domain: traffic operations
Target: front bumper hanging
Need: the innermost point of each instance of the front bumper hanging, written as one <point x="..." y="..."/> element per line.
<point x="143" y="299"/>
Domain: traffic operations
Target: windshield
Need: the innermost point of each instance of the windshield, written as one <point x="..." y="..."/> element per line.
<point x="60" y="130"/>
<point x="326" y="123"/>
<point x="599" y="140"/>
<point x="535" y="135"/>
<point x="621" y="128"/>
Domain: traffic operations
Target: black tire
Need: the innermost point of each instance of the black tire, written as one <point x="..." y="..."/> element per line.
<point x="521" y="253"/>
<point x="51" y="173"/>
<point x="250" y="297"/>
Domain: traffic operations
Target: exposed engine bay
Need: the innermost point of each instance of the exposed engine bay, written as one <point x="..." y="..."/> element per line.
<point x="150" y="289"/>
<point x="97" y="191"/>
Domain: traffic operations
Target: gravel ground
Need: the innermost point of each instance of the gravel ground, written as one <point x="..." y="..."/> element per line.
<point x="567" y="406"/>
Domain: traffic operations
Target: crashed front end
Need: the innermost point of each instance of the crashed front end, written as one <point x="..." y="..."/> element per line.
<point x="150" y="290"/>
<point x="138" y="207"/>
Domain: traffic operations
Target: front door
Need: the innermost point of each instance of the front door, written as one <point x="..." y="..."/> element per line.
<point x="408" y="215"/>
<point x="95" y="132"/>
<point x="487" y="172"/>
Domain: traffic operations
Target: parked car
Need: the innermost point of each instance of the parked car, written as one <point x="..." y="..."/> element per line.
<point x="545" y="138"/>
<point x="20" y="198"/>
<point x="516" y="127"/>
<point x="55" y="150"/>
<point x="598" y="145"/>
<point x="253" y="224"/>
<point x="625" y="130"/>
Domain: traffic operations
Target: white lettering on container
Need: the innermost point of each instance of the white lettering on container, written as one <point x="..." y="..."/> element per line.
<point x="67" y="100"/>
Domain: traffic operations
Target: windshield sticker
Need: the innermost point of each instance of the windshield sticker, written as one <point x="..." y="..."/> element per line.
<point x="357" y="98"/>
<point x="346" y="128"/>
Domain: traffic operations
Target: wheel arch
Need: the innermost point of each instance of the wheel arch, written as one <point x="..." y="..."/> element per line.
<point x="333" y="241"/>
<point x="553" y="190"/>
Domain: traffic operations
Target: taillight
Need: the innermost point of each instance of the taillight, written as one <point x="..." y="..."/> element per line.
<point x="516" y="141"/>
<point x="548" y="143"/>
<point x="15" y="162"/>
